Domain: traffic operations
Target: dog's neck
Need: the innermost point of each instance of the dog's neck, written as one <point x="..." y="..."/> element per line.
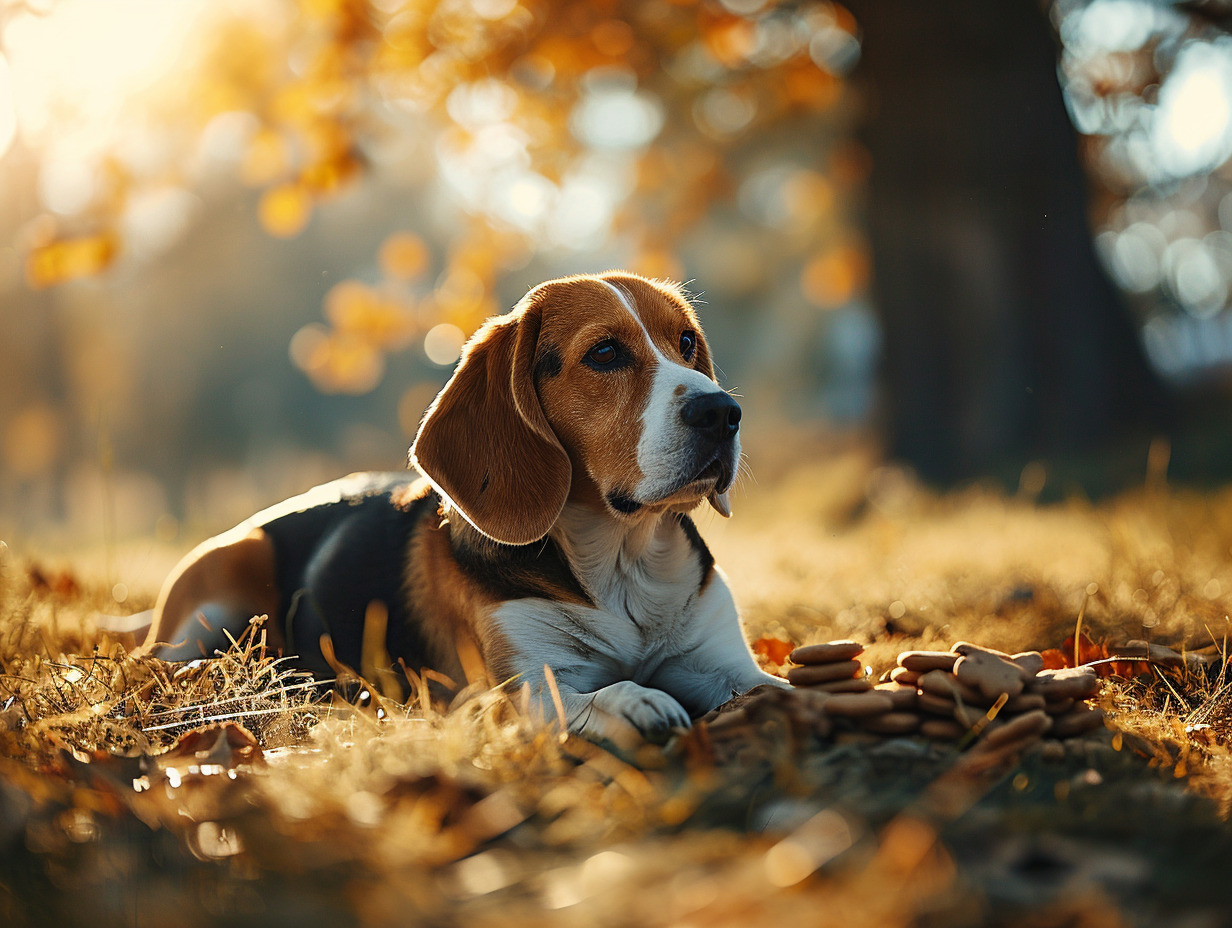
<point x="616" y="560"/>
<point x="610" y="555"/>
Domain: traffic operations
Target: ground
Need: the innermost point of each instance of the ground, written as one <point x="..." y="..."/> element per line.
<point x="138" y="793"/>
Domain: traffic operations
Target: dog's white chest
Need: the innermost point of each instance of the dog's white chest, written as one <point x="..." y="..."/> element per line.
<point x="649" y="608"/>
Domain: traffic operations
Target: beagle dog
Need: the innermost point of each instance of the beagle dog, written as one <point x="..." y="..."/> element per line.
<point x="550" y="528"/>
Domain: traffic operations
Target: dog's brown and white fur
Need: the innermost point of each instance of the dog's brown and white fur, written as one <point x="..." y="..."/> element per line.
<point x="551" y="529"/>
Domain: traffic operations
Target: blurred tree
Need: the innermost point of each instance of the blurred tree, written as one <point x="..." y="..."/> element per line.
<point x="549" y="125"/>
<point x="1003" y="337"/>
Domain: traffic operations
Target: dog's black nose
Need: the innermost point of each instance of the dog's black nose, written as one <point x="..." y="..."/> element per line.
<point x="713" y="414"/>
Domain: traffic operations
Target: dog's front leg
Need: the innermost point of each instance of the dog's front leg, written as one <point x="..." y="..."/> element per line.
<point x="714" y="663"/>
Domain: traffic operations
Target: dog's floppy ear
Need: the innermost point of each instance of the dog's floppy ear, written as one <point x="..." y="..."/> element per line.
<point x="485" y="443"/>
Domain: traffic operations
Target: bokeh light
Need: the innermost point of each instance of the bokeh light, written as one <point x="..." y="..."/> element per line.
<point x="1195" y="110"/>
<point x="417" y="166"/>
<point x="443" y="344"/>
<point x="1152" y="88"/>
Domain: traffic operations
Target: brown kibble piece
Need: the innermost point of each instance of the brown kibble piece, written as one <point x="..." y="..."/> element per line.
<point x="857" y="737"/>
<point x="942" y="729"/>
<point x="904" y="676"/>
<point x="924" y="661"/>
<point x="968" y="715"/>
<point x="903" y="697"/>
<point x="1071" y="682"/>
<point x="1025" y="702"/>
<point x="1025" y="728"/>
<point x="854" y="685"/>
<point x="1156" y="653"/>
<point x="1031" y="662"/>
<point x="811" y="674"/>
<point x="858" y="705"/>
<point x="810" y="699"/>
<point x="960" y="712"/>
<point x="966" y="649"/>
<point x="1058" y="706"/>
<point x="1052" y="749"/>
<point x="990" y="674"/>
<point x="892" y="723"/>
<point x="937" y="705"/>
<point x="1077" y="721"/>
<point x="947" y="686"/>
<point x="829" y="653"/>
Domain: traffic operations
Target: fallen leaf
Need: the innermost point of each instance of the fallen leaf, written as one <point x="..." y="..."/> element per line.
<point x="773" y="650"/>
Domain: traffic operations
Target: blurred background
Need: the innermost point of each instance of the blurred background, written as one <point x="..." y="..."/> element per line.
<point x="242" y="241"/>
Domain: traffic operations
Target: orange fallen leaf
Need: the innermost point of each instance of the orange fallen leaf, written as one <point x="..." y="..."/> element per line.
<point x="1089" y="652"/>
<point x="773" y="650"/>
<point x="1054" y="659"/>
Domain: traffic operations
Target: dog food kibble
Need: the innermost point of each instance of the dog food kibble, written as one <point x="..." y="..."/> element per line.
<point x="1072" y="682"/>
<point x="1031" y="662"/>
<point x="852" y="685"/>
<point x="1028" y="726"/>
<point x="942" y="729"/>
<point x="1025" y="702"/>
<point x="946" y="695"/>
<point x="903" y="697"/>
<point x="810" y="674"/>
<point x="1078" y="721"/>
<point x="990" y="674"/>
<point x="924" y="661"/>
<point x="892" y="723"/>
<point x="1058" y="706"/>
<point x="829" y="653"/>
<point x="857" y="705"/>
<point x="967" y="715"/>
<point x="947" y="686"/>
<point x="966" y="649"/>
<point x="905" y="676"/>
<point x="937" y="705"/>
<point x="1145" y="650"/>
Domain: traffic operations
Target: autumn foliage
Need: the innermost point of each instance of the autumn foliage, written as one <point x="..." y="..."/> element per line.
<point x="552" y="126"/>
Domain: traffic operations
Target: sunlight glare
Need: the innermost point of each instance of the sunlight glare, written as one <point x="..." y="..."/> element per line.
<point x="83" y="61"/>
<point x="1111" y="25"/>
<point x="8" y="110"/>
<point x="587" y="204"/>
<point x="614" y="114"/>
<point x="1194" y="122"/>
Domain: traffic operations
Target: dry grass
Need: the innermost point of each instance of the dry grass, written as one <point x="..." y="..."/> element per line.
<point x="118" y="807"/>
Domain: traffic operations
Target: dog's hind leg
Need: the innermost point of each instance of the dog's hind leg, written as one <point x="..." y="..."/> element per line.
<point x="205" y="631"/>
<point x="212" y="593"/>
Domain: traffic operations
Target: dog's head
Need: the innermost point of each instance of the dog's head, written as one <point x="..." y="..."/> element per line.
<point x="605" y="379"/>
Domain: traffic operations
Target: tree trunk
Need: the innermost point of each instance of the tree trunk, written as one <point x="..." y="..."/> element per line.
<point x="1004" y="340"/>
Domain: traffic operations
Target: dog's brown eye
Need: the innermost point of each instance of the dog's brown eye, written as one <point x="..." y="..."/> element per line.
<point x="603" y="355"/>
<point x="688" y="345"/>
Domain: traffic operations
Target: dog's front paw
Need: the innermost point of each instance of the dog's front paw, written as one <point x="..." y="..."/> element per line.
<point x="653" y="713"/>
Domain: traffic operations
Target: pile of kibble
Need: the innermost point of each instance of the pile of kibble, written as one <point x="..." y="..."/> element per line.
<point x="968" y="692"/>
